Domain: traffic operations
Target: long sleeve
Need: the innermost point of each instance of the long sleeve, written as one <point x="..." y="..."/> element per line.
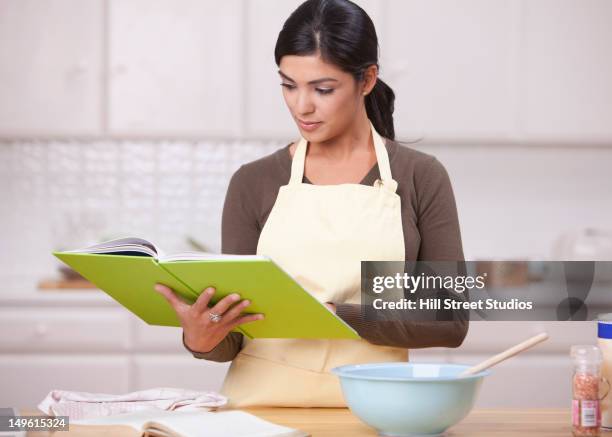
<point x="239" y="235"/>
<point x="440" y="240"/>
<point x="224" y="351"/>
<point x="438" y="222"/>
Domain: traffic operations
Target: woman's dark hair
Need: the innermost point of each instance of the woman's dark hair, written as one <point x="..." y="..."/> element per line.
<point x="344" y="35"/>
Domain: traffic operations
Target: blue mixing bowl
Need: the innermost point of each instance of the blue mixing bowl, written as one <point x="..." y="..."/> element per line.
<point x="409" y="399"/>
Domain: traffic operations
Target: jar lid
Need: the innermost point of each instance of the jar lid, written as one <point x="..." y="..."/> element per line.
<point x="604" y="330"/>
<point x="586" y="354"/>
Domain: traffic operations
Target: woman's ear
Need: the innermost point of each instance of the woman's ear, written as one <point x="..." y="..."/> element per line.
<point x="370" y="75"/>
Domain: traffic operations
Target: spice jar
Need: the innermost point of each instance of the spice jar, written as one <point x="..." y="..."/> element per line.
<point x="586" y="413"/>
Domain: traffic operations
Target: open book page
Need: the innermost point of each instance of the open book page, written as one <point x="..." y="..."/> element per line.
<point x="220" y="424"/>
<point x="142" y="247"/>
<point x="205" y="256"/>
<point x="191" y="423"/>
<point x="134" y="419"/>
<point x="123" y="246"/>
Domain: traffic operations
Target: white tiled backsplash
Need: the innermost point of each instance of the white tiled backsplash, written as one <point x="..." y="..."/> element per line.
<point x="69" y="194"/>
<point x="513" y="201"/>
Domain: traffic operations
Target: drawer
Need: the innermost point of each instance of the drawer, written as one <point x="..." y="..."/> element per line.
<point x="184" y="371"/>
<point x="61" y="329"/>
<point x="150" y="338"/>
<point x="26" y="379"/>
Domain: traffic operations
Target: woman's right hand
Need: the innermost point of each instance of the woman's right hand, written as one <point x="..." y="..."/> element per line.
<point x="201" y="333"/>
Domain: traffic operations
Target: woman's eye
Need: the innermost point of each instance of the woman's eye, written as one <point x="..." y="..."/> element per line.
<point x="319" y="90"/>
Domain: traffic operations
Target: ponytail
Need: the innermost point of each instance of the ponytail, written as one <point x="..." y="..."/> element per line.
<point x="379" y="105"/>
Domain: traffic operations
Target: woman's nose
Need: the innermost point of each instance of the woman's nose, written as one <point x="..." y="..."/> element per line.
<point x="304" y="103"/>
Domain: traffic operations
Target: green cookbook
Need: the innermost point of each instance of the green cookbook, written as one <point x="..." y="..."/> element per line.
<point x="128" y="268"/>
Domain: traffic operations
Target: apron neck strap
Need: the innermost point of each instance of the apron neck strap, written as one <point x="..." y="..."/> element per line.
<point x="297" y="165"/>
<point x="299" y="158"/>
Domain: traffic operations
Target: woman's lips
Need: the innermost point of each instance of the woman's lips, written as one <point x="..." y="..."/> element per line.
<point x="309" y="126"/>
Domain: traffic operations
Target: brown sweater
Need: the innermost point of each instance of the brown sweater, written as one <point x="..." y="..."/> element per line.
<point x="430" y="225"/>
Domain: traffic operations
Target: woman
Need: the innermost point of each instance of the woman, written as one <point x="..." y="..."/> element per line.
<point x="345" y="192"/>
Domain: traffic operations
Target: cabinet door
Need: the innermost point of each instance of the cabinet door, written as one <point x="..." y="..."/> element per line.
<point x="26" y="379"/>
<point x="175" y="67"/>
<point x="266" y="112"/>
<point x="150" y="338"/>
<point x="452" y="66"/>
<point x="50" y="67"/>
<point x="566" y="93"/>
<point x="182" y="371"/>
<point x="62" y="329"/>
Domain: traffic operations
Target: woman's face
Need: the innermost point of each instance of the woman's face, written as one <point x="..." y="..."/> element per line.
<point x="316" y="91"/>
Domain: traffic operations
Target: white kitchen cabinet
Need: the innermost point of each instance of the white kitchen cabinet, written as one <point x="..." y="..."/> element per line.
<point x="539" y="377"/>
<point x="267" y="115"/>
<point x="175" y="67"/>
<point x="26" y="379"/>
<point x="566" y="65"/>
<point x="476" y="71"/>
<point x="42" y="330"/>
<point x="452" y="66"/>
<point x="183" y="371"/>
<point x="84" y="341"/>
<point x="50" y="67"/>
<point x="149" y="338"/>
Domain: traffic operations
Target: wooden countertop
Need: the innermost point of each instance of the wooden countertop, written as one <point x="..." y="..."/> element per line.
<point x="328" y="422"/>
<point x="338" y="422"/>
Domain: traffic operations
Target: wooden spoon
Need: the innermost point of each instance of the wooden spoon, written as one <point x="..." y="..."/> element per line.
<point x="505" y="354"/>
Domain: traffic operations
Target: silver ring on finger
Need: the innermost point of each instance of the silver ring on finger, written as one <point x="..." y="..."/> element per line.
<point x="214" y="317"/>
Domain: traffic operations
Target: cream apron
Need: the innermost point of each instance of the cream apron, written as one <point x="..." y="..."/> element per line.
<point x="320" y="234"/>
